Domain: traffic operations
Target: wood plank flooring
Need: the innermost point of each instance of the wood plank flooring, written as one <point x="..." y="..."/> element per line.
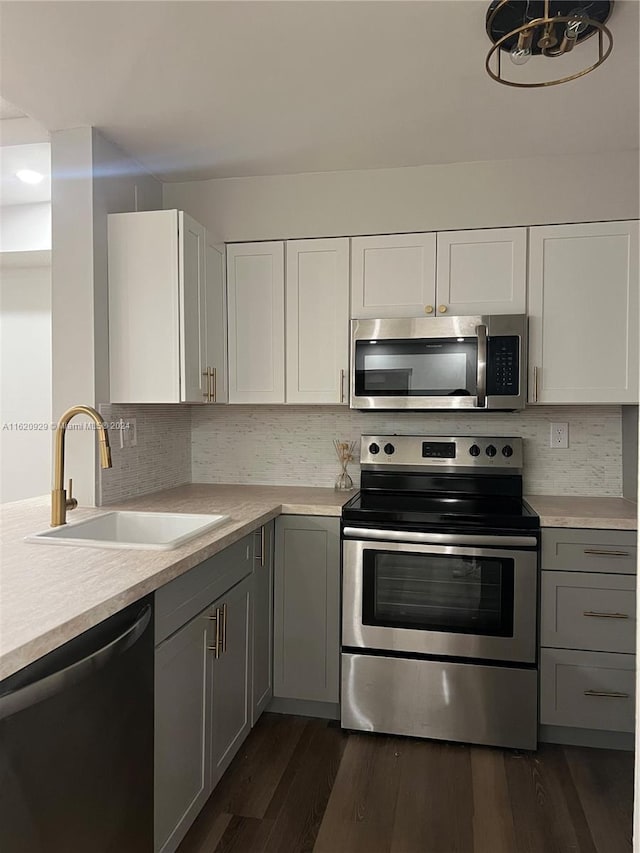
<point x="300" y="785"/>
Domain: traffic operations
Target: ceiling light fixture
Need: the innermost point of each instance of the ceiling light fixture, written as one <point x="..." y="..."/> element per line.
<point x="547" y="28"/>
<point x="29" y="176"/>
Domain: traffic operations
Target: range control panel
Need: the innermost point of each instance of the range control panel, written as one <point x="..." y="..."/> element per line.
<point x="423" y="451"/>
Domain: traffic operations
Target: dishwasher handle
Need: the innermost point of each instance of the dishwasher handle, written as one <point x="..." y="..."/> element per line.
<point x="62" y="679"/>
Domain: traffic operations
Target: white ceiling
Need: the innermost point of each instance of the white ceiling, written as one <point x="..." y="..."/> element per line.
<point x="7" y="110"/>
<point x="15" y="157"/>
<point x="211" y="89"/>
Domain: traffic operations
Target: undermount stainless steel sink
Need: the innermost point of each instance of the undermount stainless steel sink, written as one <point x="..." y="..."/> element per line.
<point x="159" y="531"/>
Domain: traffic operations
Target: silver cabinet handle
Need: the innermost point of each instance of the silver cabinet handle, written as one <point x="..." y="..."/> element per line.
<point x="215" y="648"/>
<point x="606" y="694"/>
<point x="597" y="552"/>
<point x="207" y="394"/>
<point x="260" y="556"/>
<point x="342" y="386"/>
<point x="54" y="683"/>
<point x="481" y="332"/>
<point x="224" y="627"/>
<point x="214" y="390"/>
<point x="605" y="615"/>
<point x="535" y="384"/>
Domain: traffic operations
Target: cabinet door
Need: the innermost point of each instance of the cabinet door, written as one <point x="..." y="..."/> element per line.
<point x="307" y="608"/>
<point x="255" y="289"/>
<point x="144" y="321"/>
<point x="181" y="732"/>
<point x="215" y="295"/>
<point x="393" y="275"/>
<point x="317" y="320"/>
<point x="482" y="271"/>
<point x="262" y="665"/>
<point x="192" y="310"/>
<point x="231" y="678"/>
<point x="583" y="313"/>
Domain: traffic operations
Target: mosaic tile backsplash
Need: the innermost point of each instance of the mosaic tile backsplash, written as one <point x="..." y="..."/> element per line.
<point x="161" y="458"/>
<point x="293" y="445"/>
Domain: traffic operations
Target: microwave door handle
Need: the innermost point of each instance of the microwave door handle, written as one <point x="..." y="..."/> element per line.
<point x="481" y="399"/>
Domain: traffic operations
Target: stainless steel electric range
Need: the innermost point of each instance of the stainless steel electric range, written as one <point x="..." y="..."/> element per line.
<point x="440" y="592"/>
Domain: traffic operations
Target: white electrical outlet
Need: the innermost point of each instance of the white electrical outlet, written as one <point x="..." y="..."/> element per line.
<point x="559" y="436"/>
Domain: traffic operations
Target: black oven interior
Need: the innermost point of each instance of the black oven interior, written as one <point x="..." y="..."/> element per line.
<point x="453" y="593"/>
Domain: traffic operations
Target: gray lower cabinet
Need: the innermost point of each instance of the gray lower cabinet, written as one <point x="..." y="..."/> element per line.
<point x="182" y="731"/>
<point x="307" y="608"/>
<point x="262" y="679"/>
<point x="588" y="627"/>
<point x="230" y="677"/>
<point x="203" y="674"/>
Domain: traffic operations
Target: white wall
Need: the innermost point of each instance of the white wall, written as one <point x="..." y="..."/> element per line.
<point x="423" y="198"/>
<point x="25" y="227"/>
<point x="91" y="177"/>
<point x="25" y="382"/>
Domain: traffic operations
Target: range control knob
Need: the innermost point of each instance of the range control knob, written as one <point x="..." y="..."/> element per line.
<point x="491" y="451"/>
<point x="389" y="449"/>
<point x="507" y="450"/>
<point x="374" y="448"/>
<point x="474" y="450"/>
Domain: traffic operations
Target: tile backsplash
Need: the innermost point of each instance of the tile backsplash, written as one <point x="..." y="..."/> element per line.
<point x="161" y="458"/>
<point x="293" y="445"/>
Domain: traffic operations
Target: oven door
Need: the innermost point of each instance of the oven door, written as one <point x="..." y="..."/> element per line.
<point x="453" y="600"/>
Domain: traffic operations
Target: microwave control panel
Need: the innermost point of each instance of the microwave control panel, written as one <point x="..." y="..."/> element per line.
<point x="503" y="366"/>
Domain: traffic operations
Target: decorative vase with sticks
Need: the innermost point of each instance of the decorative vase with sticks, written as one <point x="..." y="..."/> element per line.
<point x="344" y="451"/>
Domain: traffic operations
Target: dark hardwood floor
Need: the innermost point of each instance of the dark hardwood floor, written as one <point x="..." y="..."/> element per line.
<point x="300" y="785"/>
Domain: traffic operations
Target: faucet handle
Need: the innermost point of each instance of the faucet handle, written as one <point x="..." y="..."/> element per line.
<point x="72" y="503"/>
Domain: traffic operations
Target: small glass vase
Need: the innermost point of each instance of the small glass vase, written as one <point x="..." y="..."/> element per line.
<point x="344" y="483"/>
<point x="345" y="452"/>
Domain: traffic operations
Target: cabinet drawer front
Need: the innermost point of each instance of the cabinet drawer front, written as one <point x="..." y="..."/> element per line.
<point x="183" y="598"/>
<point x="573" y="550"/>
<point x="588" y="611"/>
<point x="590" y="690"/>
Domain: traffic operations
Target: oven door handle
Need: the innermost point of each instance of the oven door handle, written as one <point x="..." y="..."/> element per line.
<point x="481" y="399"/>
<point x="364" y="533"/>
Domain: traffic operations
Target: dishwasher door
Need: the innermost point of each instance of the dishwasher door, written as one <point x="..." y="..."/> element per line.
<point x="76" y="744"/>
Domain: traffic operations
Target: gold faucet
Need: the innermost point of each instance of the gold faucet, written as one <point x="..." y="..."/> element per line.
<point x="60" y="503"/>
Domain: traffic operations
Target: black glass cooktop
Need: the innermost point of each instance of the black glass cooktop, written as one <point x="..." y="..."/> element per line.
<point x="428" y="511"/>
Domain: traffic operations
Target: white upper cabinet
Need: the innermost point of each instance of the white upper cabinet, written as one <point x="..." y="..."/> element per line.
<point x="157" y="316"/>
<point x="317" y="328"/>
<point x="482" y="272"/>
<point x="255" y="285"/>
<point x="216" y="324"/>
<point x="393" y="275"/>
<point x="583" y="313"/>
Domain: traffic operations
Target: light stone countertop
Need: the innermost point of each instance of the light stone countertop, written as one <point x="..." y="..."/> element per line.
<point x="596" y="513"/>
<point x="51" y="593"/>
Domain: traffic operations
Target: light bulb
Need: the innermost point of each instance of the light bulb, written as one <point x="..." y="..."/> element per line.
<point x="521" y="51"/>
<point x="520" y="55"/>
<point x="577" y="25"/>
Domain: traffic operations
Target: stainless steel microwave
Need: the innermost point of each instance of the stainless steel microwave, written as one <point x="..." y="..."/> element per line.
<point x="441" y="363"/>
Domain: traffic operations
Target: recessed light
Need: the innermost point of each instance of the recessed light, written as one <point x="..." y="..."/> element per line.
<point x="29" y="176"/>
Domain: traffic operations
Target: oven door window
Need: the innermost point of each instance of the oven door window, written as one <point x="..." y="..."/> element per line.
<point x="421" y="368"/>
<point x="429" y="592"/>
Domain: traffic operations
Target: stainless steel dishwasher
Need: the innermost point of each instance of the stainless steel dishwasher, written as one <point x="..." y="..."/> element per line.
<point x="76" y="744"/>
